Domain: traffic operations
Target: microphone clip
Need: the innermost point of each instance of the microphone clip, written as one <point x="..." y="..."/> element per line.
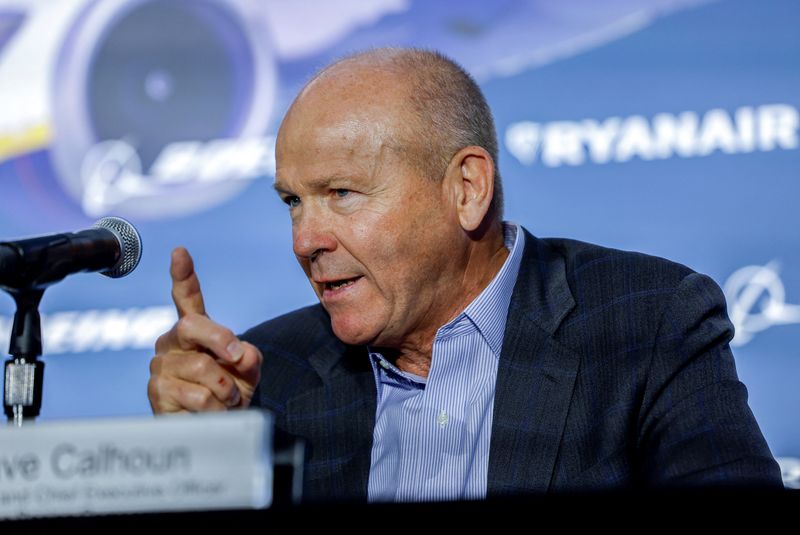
<point x="24" y="373"/>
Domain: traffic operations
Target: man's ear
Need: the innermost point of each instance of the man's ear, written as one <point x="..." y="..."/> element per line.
<point x="470" y="180"/>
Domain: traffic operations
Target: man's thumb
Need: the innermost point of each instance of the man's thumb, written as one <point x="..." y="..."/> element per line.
<point x="185" y="285"/>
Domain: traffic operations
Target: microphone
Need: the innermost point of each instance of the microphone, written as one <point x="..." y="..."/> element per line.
<point x="112" y="246"/>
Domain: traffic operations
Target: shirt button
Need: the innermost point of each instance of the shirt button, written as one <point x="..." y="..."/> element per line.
<point x="442" y="418"/>
<point x="384" y="364"/>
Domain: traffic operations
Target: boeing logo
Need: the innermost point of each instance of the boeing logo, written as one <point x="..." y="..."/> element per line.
<point x="687" y="134"/>
<point x="185" y="176"/>
<point x="757" y="286"/>
<point x="146" y="129"/>
<point x="99" y="330"/>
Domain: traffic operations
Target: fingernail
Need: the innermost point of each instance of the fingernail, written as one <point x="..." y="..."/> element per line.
<point x="235" y="350"/>
<point x="235" y="398"/>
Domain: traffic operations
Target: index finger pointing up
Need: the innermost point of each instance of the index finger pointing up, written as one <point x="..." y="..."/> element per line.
<point x="185" y="285"/>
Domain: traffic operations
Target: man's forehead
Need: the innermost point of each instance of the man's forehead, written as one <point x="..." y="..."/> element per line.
<point x="361" y="124"/>
<point x="353" y="94"/>
<point x="343" y="124"/>
<point x="337" y="133"/>
<point x="319" y="166"/>
<point x="357" y="129"/>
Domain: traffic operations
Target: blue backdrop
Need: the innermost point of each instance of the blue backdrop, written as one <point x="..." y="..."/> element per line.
<point x="676" y="120"/>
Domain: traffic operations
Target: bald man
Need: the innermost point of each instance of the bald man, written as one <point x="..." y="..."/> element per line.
<point x="454" y="355"/>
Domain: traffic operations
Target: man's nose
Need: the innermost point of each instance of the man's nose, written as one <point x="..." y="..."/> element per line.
<point x="312" y="235"/>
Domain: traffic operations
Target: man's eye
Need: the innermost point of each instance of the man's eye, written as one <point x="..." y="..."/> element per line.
<point x="342" y="192"/>
<point x="291" y="200"/>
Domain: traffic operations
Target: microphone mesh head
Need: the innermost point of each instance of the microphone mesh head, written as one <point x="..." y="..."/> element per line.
<point x="130" y="245"/>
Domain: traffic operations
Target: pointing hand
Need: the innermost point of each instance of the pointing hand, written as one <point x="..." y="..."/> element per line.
<point x="199" y="365"/>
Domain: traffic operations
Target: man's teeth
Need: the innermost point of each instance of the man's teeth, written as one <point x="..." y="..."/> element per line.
<point x="341" y="284"/>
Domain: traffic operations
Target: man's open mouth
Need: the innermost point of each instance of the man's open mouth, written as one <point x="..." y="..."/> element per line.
<point x="342" y="283"/>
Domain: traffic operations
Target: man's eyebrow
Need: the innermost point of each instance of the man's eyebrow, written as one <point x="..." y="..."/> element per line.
<point x="313" y="184"/>
<point x="279" y="187"/>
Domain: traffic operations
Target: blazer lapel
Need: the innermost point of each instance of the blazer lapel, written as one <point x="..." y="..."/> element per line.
<point x="337" y="418"/>
<point x="535" y="376"/>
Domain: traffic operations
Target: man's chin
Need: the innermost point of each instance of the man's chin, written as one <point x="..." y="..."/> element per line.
<point x="352" y="332"/>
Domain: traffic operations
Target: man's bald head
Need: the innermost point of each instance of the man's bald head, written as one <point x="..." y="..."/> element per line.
<point x="445" y="109"/>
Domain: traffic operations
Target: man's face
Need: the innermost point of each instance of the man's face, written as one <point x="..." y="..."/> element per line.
<point x="374" y="237"/>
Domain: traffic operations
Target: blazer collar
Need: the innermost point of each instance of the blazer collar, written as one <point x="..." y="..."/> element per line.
<point x="542" y="294"/>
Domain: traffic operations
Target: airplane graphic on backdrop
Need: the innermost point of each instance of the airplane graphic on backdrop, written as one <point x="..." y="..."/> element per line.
<point x="120" y="122"/>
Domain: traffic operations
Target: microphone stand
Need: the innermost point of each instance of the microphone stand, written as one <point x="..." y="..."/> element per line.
<point x="28" y="267"/>
<point x="24" y="373"/>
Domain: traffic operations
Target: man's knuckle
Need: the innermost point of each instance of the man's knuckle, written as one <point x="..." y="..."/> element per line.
<point x="183" y="326"/>
<point x="155" y="390"/>
<point x="205" y="399"/>
<point x="200" y="365"/>
<point x="188" y="323"/>
<point x="152" y="391"/>
<point x="215" y="337"/>
<point x="155" y="365"/>
<point x="203" y="396"/>
<point x="222" y="336"/>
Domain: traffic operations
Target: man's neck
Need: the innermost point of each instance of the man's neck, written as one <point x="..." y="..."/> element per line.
<point x="482" y="266"/>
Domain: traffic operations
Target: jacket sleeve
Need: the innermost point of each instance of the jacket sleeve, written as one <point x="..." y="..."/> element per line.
<point x="696" y="428"/>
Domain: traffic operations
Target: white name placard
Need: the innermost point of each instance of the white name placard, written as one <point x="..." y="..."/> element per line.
<point x="167" y="463"/>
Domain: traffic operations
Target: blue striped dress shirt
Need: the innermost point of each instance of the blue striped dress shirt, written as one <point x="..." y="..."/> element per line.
<point x="431" y="438"/>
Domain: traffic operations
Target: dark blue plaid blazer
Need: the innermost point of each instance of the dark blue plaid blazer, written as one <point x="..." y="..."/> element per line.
<point x="615" y="373"/>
